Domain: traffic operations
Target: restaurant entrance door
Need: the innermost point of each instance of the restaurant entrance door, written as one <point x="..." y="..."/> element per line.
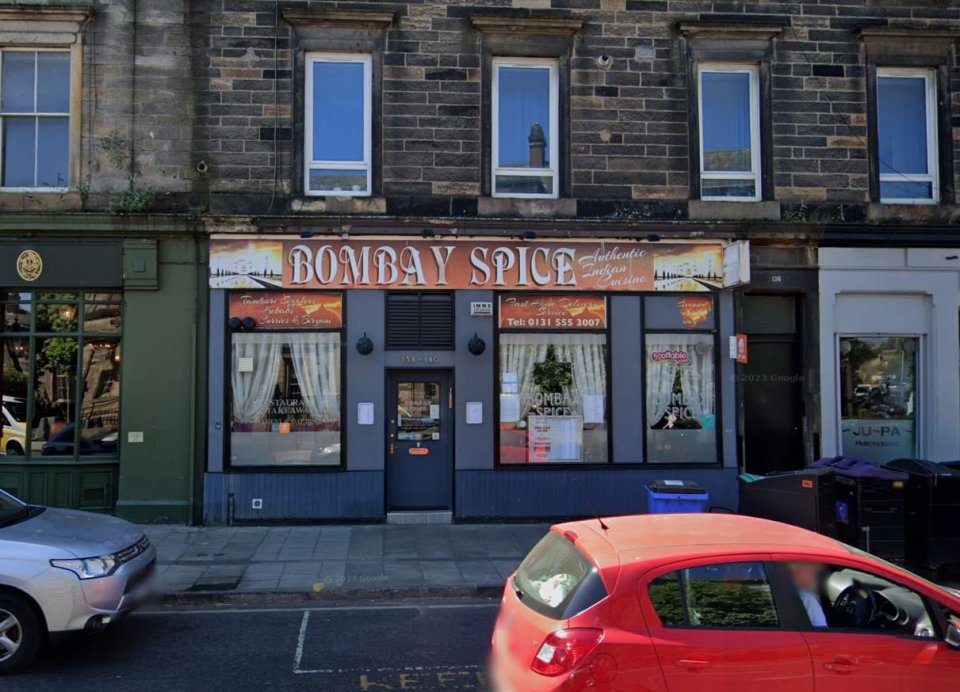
<point x="419" y="440"/>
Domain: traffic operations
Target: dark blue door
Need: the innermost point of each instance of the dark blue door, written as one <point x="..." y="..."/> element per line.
<point x="419" y="440"/>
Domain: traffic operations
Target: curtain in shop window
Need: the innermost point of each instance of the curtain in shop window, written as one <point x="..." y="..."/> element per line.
<point x="589" y="368"/>
<point x="253" y="390"/>
<point x="696" y="369"/>
<point x="520" y="353"/>
<point x="316" y="362"/>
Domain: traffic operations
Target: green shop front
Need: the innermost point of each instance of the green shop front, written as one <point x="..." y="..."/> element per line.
<point x="98" y="373"/>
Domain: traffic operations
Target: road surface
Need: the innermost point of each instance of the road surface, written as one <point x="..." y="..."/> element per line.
<point x="421" y="645"/>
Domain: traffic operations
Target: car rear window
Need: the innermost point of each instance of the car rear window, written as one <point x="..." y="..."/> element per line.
<point x="557" y="580"/>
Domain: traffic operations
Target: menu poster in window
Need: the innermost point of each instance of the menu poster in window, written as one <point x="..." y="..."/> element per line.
<point x="509" y="408"/>
<point x="289" y="309"/>
<point x="552" y="312"/>
<point x="555" y="438"/>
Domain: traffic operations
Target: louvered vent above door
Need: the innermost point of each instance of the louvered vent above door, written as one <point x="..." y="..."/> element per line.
<point x="419" y="320"/>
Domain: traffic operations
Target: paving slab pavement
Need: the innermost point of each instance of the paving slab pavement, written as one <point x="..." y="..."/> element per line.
<point x="339" y="559"/>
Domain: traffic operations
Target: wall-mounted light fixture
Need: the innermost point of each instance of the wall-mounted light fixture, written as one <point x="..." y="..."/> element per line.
<point x="237" y="324"/>
<point x="476" y="345"/>
<point x="427" y="232"/>
<point x="364" y="345"/>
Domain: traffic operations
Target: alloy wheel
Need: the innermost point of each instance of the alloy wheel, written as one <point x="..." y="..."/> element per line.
<point x="11" y="634"/>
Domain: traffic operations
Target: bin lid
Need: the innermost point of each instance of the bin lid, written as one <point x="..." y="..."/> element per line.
<point x="924" y="467"/>
<point x="676" y="487"/>
<point x="859" y="468"/>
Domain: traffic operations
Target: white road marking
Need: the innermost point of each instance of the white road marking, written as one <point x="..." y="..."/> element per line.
<point x="400" y="669"/>
<point x="298" y="654"/>
<point x="302" y="637"/>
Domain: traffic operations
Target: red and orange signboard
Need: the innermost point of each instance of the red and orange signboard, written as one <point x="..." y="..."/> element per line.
<point x="694" y="310"/>
<point x="238" y="262"/>
<point x="526" y="311"/>
<point x="289" y="309"/>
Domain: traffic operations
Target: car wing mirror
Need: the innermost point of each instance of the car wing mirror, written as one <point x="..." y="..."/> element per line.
<point x="952" y="637"/>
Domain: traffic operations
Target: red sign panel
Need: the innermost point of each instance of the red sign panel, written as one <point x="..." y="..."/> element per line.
<point x="525" y="311"/>
<point x="289" y="309"/>
<point x="336" y="263"/>
<point x="694" y="310"/>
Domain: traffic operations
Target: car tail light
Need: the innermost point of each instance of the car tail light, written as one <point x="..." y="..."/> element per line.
<point x="562" y="650"/>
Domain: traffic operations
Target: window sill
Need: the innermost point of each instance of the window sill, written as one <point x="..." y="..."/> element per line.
<point x="40" y="200"/>
<point x="700" y="210"/>
<point x="936" y="213"/>
<point x="526" y="208"/>
<point x="339" y="205"/>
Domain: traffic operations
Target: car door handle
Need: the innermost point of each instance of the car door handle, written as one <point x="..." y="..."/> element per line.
<point x="841" y="665"/>
<point x="692" y="664"/>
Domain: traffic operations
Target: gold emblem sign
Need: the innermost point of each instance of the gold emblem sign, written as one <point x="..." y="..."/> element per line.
<point x="29" y="265"/>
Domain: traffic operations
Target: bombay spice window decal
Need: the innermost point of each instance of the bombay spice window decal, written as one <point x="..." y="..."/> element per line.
<point x="552" y="398"/>
<point x="681" y="398"/>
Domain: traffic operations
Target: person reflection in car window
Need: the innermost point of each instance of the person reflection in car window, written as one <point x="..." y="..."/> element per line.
<point x="806" y="578"/>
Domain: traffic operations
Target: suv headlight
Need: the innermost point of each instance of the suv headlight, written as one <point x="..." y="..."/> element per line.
<point x="90" y="567"/>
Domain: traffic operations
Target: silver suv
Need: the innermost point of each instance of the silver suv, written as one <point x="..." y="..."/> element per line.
<point x="64" y="571"/>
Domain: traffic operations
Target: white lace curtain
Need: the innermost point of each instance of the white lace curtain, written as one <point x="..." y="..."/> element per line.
<point x="696" y="373"/>
<point x="257" y="358"/>
<point x="316" y="363"/>
<point x="255" y="366"/>
<point x="519" y="353"/>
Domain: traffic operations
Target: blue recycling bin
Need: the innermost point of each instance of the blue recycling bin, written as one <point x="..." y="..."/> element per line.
<point x="672" y="497"/>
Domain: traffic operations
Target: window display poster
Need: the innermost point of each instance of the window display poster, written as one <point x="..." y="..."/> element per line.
<point x="593" y="408"/>
<point x="509" y="408"/>
<point x="555" y="438"/>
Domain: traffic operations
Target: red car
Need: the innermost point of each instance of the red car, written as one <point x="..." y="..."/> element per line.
<point x="713" y="602"/>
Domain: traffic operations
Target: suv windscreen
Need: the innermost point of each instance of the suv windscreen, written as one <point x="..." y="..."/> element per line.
<point x="557" y="580"/>
<point x="11" y="509"/>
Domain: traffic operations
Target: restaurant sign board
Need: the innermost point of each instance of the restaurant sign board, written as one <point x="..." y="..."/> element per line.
<point x="266" y="262"/>
<point x="289" y="309"/>
<point x="534" y="311"/>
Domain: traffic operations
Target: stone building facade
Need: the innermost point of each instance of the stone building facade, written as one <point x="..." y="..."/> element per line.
<point x="190" y="122"/>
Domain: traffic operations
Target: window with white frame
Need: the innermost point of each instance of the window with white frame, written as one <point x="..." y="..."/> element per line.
<point x="525" y="154"/>
<point x="729" y="132"/>
<point x="35" y="119"/>
<point x="337" y="129"/>
<point x="907" y="136"/>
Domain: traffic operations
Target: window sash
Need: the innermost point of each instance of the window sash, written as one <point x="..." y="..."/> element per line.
<point x="932" y="176"/>
<point x="551" y="171"/>
<point x="362" y="165"/>
<point x="36" y="115"/>
<point x="755" y="164"/>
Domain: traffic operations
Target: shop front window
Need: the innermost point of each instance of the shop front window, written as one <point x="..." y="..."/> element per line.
<point x="285" y="399"/>
<point x="681" y="405"/>
<point x="553" y="385"/>
<point x="60" y="377"/>
<point x="878" y="411"/>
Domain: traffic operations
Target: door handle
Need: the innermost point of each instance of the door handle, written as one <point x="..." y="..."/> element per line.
<point x="841" y="665"/>
<point x="393" y="448"/>
<point x="692" y="664"/>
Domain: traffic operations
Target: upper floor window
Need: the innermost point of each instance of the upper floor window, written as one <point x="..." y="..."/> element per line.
<point x="729" y="132"/>
<point x="338" y="125"/>
<point x="525" y="126"/>
<point x="907" y="136"/>
<point x="35" y="119"/>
